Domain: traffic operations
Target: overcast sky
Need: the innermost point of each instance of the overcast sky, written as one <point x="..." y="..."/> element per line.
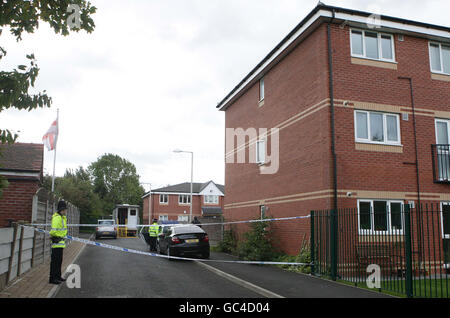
<point x="147" y="80"/>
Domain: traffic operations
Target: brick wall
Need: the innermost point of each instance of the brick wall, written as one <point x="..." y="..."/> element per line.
<point x="173" y="209"/>
<point x="16" y="202"/>
<point x="304" y="180"/>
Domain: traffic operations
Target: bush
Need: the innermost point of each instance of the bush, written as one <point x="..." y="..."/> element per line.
<point x="257" y="245"/>
<point x="303" y="257"/>
<point x="228" y="244"/>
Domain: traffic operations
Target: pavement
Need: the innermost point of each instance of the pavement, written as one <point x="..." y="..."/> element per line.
<point x="34" y="283"/>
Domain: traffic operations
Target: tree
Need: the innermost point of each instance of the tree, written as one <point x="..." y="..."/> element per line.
<point x="24" y="16"/>
<point x="115" y="181"/>
<point x="76" y="187"/>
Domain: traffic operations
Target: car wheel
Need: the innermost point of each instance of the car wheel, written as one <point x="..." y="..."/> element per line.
<point x="205" y="255"/>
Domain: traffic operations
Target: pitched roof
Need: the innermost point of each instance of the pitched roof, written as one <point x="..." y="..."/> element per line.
<point x="22" y="157"/>
<point x="186" y="188"/>
<point x="318" y="15"/>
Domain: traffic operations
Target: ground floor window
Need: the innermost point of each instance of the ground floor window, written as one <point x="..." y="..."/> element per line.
<point x="380" y="216"/>
<point x="183" y="218"/>
<point x="445" y="219"/>
<point x="164" y="217"/>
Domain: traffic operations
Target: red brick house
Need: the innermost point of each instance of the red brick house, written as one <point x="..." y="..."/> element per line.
<point x="172" y="203"/>
<point x="360" y="108"/>
<point x="22" y="165"/>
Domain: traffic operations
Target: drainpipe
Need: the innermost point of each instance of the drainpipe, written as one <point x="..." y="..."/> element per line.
<point x="333" y="220"/>
<point x="419" y="208"/>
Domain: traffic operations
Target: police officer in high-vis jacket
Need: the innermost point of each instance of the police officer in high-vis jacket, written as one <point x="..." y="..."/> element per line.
<point x="57" y="235"/>
<point x="153" y="232"/>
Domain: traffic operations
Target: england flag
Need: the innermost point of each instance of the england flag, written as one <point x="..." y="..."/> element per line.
<point x="51" y="137"/>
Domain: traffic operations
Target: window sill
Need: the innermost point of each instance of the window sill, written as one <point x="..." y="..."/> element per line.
<point x="375" y="63"/>
<point x="372" y="237"/>
<point x="378" y="147"/>
<point x="440" y="77"/>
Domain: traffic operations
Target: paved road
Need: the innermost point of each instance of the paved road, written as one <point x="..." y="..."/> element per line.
<point x="110" y="273"/>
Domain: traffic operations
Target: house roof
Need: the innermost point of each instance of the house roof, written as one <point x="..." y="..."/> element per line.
<point x="22" y="157"/>
<point x="186" y="188"/>
<point x="318" y="15"/>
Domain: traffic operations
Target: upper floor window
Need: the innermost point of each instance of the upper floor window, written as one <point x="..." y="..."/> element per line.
<point x="163" y="198"/>
<point x="184" y="199"/>
<point x="261" y="89"/>
<point x="440" y="58"/>
<point x="373" y="127"/>
<point x="261" y="151"/>
<point x="212" y="199"/>
<point x="372" y="45"/>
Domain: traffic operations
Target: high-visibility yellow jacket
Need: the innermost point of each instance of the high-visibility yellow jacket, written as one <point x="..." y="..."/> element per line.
<point x="153" y="230"/>
<point x="59" y="230"/>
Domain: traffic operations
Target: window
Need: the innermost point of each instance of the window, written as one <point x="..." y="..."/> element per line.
<point x="440" y="58"/>
<point x="132" y="212"/>
<point x="262" y="210"/>
<point x="212" y="199"/>
<point x="445" y="219"/>
<point x="164" y="217"/>
<point x="183" y="218"/>
<point x="443" y="149"/>
<point x="261" y="151"/>
<point x="380" y="216"/>
<point x="261" y="89"/>
<point x="163" y="198"/>
<point x="372" y="45"/>
<point x="184" y="199"/>
<point x="373" y="127"/>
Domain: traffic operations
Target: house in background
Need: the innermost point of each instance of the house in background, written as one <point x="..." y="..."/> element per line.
<point x="350" y="134"/>
<point x="22" y="165"/>
<point x="172" y="203"/>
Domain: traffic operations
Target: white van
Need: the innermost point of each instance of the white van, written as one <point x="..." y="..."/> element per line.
<point x="127" y="215"/>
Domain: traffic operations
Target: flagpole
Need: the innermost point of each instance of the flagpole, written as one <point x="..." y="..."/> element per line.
<point x="54" y="156"/>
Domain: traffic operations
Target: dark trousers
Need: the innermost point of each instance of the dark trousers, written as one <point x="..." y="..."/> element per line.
<point x="152" y="243"/>
<point x="56" y="263"/>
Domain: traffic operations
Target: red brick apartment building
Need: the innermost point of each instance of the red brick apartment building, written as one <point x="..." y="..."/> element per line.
<point x="172" y="203"/>
<point x="22" y="165"/>
<point x="357" y="105"/>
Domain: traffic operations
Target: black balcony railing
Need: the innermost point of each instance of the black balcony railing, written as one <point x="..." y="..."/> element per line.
<point x="441" y="163"/>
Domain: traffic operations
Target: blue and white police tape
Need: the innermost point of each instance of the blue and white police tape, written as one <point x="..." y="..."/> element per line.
<point x="202" y="224"/>
<point x="128" y="250"/>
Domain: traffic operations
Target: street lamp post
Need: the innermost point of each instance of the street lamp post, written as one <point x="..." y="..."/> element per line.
<point x="192" y="178"/>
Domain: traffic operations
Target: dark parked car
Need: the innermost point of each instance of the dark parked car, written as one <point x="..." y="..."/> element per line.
<point x="183" y="241"/>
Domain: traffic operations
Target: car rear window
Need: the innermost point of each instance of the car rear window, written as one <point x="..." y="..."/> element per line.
<point x="106" y="222"/>
<point x="187" y="229"/>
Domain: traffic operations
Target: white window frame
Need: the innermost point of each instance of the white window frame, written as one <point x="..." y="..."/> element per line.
<point x="369" y="140"/>
<point x="438" y="120"/>
<point x="259" y="160"/>
<point x="183" y="218"/>
<point x="380" y="49"/>
<point x="164" y="217"/>
<point x="444" y="236"/>
<point x="207" y="199"/>
<point x="162" y="201"/>
<point x="440" y="56"/>
<point x="188" y="199"/>
<point x="372" y="221"/>
<point x="261" y="89"/>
